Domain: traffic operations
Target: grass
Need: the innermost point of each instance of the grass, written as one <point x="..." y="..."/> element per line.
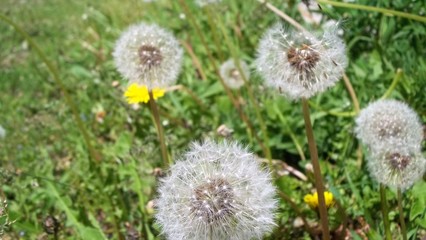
<point x="44" y="160"/>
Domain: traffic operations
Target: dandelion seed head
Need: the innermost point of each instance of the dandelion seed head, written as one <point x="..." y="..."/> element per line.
<point x="149" y="55"/>
<point x="386" y="123"/>
<point x="217" y="189"/>
<point x="231" y="75"/>
<point x="300" y="64"/>
<point x="397" y="168"/>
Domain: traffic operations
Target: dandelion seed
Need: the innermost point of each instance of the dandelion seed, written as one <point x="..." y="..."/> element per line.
<point x="300" y="64"/>
<point x="387" y="123"/>
<point x="148" y="55"/>
<point x="232" y="77"/>
<point x="312" y="200"/>
<point x="217" y="192"/>
<point x="399" y="168"/>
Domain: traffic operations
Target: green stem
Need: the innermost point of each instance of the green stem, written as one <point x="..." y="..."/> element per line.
<point x="351" y="92"/>
<point x="212" y="24"/>
<point x="401" y="215"/>
<point x="252" y="99"/>
<point x="93" y="154"/>
<point x="383" y="202"/>
<point x="374" y="9"/>
<point x="160" y="132"/>
<point x="290" y="132"/>
<point x="235" y="102"/>
<point x="395" y="81"/>
<point x="317" y="170"/>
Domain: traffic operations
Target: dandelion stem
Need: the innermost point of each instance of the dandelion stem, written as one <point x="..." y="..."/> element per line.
<point x="374" y="9"/>
<point x="156" y="115"/>
<point x="282" y="15"/>
<point x="395" y="81"/>
<point x="401" y="215"/>
<point x="252" y="99"/>
<point x="317" y="170"/>
<point x="386" y="223"/>
<point x="352" y="93"/>
<point x="93" y="154"/>
<point x="235" y="102"/>
<point x="290" y="132"/>
<point x="195" y="59"/>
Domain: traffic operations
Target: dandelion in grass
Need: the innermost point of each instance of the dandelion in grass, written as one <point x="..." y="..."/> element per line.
<point x="301" y="64"/>
<point x="312" y="200"/>
<point x="148" y="55"/>
<point x="386" y="123"/>
<point x="218" y="191"/>
<point x="203" y="3"/>
<point x="138" y="94"/>
<point x="399" y="167"/>
<point x="231" y="75"/>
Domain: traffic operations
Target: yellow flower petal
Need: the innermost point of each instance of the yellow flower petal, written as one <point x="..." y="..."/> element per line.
<point x="136" y="94"/>
<point x="312" y="199"/>
<point x="157" y="93"/>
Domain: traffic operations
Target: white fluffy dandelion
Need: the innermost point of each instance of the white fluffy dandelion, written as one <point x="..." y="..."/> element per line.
<point x="398" y="168"/>
<point x="386" y="123"/>
<point x="218" y="191"/>
<point x="300" y="64"/>
<point x="231" y="75"/>
<point x="148" y="55"/>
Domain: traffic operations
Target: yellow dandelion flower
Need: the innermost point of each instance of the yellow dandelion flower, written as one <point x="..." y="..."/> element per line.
<point x="312" y="199"/>
<point x="157" y="93"/>
<point x="137" y="94"/>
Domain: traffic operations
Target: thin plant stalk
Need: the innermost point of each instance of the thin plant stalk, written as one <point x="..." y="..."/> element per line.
<point x="401" y="215"/>
<point x="351" y="92"/>
<point x="282" y="15"/>
<point x="395" y="81"/>
<point x="291" y="133"/>
<point x="160" y="132"/>
<point x="93" y="154"/>
<point x="195" y="59"/>
<point x="212" y="24"/>
<point x="319" y="185"/>
<point x="384" y="206"/>
<point x="252" y="99"/>
<point x="374" y="9"/>
<point x="234" y="101"/>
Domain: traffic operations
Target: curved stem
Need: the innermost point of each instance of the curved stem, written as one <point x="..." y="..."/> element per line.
<point x="351" y="92"/>
<point x="374" y="9"/>
<point x="384" y="204"/>
<point x="395" y="81"/>
<point x="160" y="132"/>
<point x="317" y="170"/>
<point x="401" y="215"/>
<point x="282" y="15"/>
